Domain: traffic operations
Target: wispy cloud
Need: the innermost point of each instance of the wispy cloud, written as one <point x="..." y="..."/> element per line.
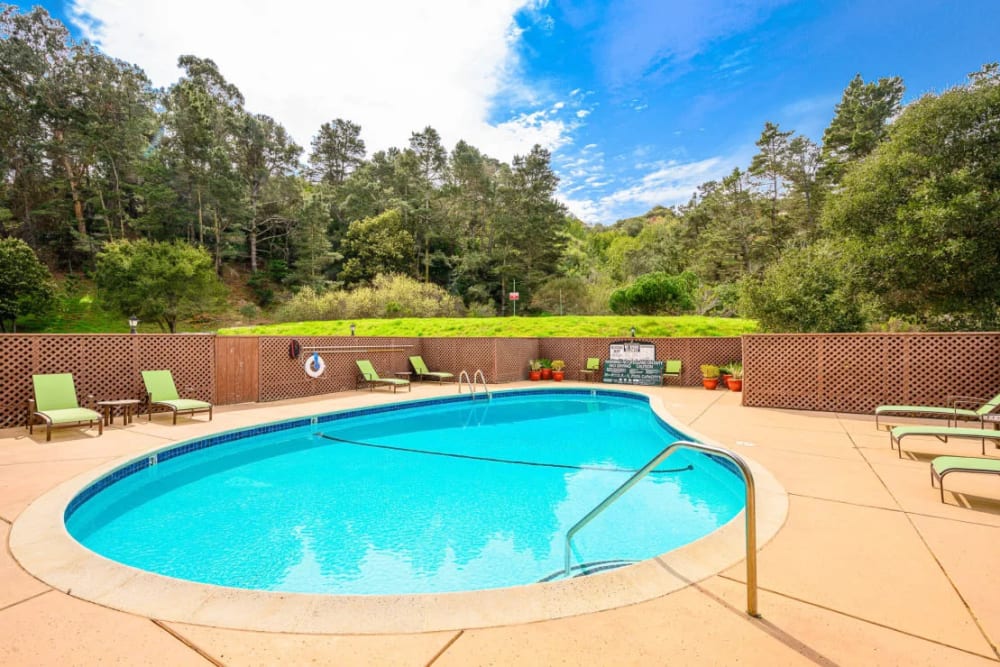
<point x="658" y="38"/>
<point x="667" y="183"/>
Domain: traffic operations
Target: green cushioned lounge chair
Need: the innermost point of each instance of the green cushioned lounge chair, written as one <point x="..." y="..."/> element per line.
<point x="953" y="412"/>
<point x="421" y="370"/>
<point x="590" y="371"/>
<point x="55" y="404"/>
<point x="942" y="433"/>
<point x="161" y="392"/>
<point x="944" y="465"/>
<point x="672" y="369"/>
<point x="370" y="378"/>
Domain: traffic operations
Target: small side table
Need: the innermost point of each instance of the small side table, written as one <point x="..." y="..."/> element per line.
<point x="993" y="418"/>
<point x="403" y="374"/>
<point x="126" y="405"/>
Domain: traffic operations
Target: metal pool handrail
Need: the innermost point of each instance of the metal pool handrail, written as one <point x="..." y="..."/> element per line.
<point x="473" y="382"/>
<point x="751" y="508"/>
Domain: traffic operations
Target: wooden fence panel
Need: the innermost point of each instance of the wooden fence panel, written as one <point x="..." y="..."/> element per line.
<point x="237" y="369"/>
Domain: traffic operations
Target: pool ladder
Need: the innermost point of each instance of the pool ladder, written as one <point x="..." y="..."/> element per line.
<point x="751" y="509"/>
<point x="473" y="383"/>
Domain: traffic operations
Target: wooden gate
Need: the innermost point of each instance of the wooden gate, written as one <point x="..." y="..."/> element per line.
<point x="237" y="369"/>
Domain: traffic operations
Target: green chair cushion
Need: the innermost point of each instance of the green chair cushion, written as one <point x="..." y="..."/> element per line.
<point x="181" y="404"/>
<point x="965" y="463"/>
<point x="54" y="392"/>
<point x="71" y="415"/>
<point x="160" y="385"/>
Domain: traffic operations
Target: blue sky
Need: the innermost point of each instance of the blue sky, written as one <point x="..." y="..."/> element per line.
<point x="640" y="101"/>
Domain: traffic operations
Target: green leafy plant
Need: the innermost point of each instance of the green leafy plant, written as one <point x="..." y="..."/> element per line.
<point x="735" y="369"/>
<point x="709" y="371"/>
<point x="558" y="365"/>
<point x="534" y="364"/>
<point x="545" y="363"/>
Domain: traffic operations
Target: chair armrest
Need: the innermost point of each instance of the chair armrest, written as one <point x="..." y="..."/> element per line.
<point x="961" y="401"/>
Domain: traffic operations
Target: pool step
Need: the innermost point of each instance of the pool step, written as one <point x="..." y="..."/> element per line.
<point x="584" y="569"/>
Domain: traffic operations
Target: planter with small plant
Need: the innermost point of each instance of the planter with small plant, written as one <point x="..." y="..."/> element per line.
<point x="546" y="365"/>
<point x="709" y="376"/>
<point x="557" y="370"/>
<point x="735" y="381"/>
<point x="534" y="370"/>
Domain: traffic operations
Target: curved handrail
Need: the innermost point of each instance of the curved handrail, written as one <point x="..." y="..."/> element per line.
<point x="751" y="508"/>
<point x="468" y="381"/>
<point x="479" y="375"/>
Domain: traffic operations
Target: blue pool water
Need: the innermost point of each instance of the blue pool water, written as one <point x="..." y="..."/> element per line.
<point x="449" y="496"/>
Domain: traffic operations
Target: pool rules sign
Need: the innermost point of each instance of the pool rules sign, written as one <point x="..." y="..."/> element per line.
<point x="633" y="362"/>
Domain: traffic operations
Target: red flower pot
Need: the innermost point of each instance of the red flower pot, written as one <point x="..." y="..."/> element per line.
<point x="735" y="385"/>
<point x="546" y="373"/>
<point x="558" y="375"/>
<point x="710" y="383"/>
<point x="534" y="376"/>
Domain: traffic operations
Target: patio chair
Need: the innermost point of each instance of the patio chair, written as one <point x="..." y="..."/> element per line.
<point x="952" y="412"/>
<point x="672" y="369"/>
<point x="161" y="392"/>
<point x="590" y="371"/>
<point x="56" y="405"/>
<point x="421" y="370"/>
<point x="942" y="433"/>
<point x="371" y="378"/>
<point x="944" y="465"/>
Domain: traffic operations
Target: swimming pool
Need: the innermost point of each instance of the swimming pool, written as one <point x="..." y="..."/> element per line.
<point x="426" y="496"/>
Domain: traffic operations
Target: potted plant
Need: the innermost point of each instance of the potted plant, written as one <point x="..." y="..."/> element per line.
<point x="709" y="376"/>
<point x="725" y="374"/>
<point x="534" y="370"/>
<point x="546" y="365"/>
<point x="735" y="381"/>
<point x="557" y="370"/>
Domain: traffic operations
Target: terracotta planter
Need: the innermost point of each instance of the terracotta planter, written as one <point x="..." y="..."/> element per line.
<point x="546" y="373"/>
<point x="534" y="376"/>
<point x="726" y="377"/>
<point x="558" y="375"/>
<point x="710" y="383"/>
<point x="735" y="384"/>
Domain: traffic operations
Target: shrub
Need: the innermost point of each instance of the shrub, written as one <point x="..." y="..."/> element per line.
<point x="655" y="293"/>
<point x="388" y="296"/>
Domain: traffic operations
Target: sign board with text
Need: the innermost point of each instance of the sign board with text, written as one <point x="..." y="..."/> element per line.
<point x="633" y="362"/>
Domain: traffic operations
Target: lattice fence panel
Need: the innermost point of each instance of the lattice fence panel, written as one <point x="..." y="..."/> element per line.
<point x="16" y="367"/>
<point x="102" y="366"/>
<point x="512" y="356"/>
<point x="283" y="377"/>
<point x="856" y="372"/>
<point x="189" y="358"/>
<point x="781" y="371"/>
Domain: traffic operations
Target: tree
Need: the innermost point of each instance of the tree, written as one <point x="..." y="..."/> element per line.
<point x="768" y="164"/>
<point x="25" y="284"/>
<point x="919" y="215"/>
<point x="860" y="122"/>
<point x="655" y="293"/>
<point x="160" y="282"/>
<point x="375" y="245"/>
<point x="337" y="150"/>
<point x="312" y="247"/>
<point x="808" y="290"/>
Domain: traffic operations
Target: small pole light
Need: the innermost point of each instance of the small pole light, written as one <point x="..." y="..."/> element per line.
<point x="133" y="322"/>
<point x="352" y="328"/>
<point x="633" y="332"/>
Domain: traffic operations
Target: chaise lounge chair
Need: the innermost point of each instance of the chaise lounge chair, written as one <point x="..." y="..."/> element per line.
<point x="161" y="392"/>
<point x="590" y="371"/>
<point x="56" y="405"/>
<point x="672" y="369"/>
<point x="944" y="465"/>
<point x="421" y="370"/>
<point x="371" y="378"/>
<point x="942" y="433"/>
<point x="952" y="412"/>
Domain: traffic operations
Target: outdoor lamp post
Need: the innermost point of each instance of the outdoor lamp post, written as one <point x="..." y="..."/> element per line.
<point x="352" y="328"/>
<point x="133" y="322"/>
<point x="633" y="332"/>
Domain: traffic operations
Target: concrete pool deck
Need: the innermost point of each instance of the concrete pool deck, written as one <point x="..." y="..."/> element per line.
<point x="869" y="567"/>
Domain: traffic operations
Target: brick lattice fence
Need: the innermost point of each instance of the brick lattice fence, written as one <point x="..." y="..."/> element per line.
<point x="831" y="372"/>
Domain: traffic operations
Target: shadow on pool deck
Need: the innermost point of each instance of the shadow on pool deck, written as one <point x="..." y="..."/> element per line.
<point x="870" y="568"/>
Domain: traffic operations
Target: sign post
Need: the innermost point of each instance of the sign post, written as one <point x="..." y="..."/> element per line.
<point x="514" y="296"/>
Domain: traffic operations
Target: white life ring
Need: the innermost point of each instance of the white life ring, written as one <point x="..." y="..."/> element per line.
<point x="315" y="365"/>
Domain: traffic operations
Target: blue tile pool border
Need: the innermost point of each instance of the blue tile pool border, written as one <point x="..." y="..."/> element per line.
<point x="189" y="446"/>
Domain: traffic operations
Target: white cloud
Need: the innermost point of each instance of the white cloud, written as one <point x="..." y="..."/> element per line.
<point x="670" y="183"/>
<point x="582" y="113"/>
<point x="393" y="66"/>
